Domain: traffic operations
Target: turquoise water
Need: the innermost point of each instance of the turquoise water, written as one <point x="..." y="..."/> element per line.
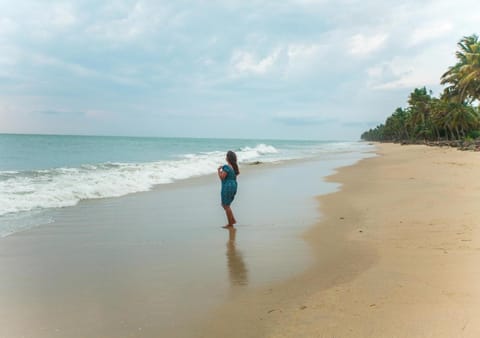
<point x="159" y="258"/>
<point x="133" y="258"/>
<point x="39" y="172"/>
<point x="33" y="152"/>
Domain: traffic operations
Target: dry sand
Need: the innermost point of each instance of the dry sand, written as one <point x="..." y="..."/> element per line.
<point x="397" y="255"/>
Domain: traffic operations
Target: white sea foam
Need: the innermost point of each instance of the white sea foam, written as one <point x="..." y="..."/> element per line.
<point x="22" y="191"/>
<point x="247" y="153"/>
<point x="61" y="187"/>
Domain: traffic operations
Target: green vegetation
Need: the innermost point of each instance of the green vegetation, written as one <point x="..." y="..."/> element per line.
<point x="455" y="115"/>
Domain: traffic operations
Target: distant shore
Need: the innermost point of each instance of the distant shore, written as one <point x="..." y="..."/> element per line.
<point x="469" y="145"/>
<point x="396" y="255"/>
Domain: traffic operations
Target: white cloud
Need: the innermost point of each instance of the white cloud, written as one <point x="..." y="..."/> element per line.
<point x="126" y="76"/>
<point x="127" y="23"/>
<point x="125" y="26"/>
<point x="44" y="21"/>
<point x="302" y="52"/>
<point x="419" y="70"/>
<point x="292" y="60"/>
<point x="62" y="15"/>
<point x="362" y="45"/>
<point x="244" y="62"/>
<point x="430" y="31"/>
<point x="7" y="27"/>
<point x="397" y="73"/>
<point x="298" y="55"/>
<point x="303" y="59"/>
<point x="376" y="71"/>
<point x="77" y="69"/>
<point x="9" y="56"/>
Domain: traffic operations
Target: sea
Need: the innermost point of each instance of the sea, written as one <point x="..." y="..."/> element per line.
<point x="43" y="172"/>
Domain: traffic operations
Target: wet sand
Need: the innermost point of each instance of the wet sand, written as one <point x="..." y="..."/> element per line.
<point x="395" y="255"/>
<point x="156" y="264"/>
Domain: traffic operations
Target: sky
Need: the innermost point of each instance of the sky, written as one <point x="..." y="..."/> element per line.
<point x="291" y="69"/>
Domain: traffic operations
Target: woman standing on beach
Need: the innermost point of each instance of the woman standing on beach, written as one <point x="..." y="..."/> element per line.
<point x="228" y="174"/>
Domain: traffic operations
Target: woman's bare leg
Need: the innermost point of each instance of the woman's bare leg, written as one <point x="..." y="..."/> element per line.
<point x="231" y="219"/>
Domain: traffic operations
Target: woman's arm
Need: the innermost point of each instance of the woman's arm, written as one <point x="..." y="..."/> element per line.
<point x="221" y="173"/>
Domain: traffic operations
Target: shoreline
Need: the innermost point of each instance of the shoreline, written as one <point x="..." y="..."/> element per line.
<point x="464" y="145"/>
<point x="395" y="256"/>
<point x="115" y="266"/>
<point x="29" y="219"/>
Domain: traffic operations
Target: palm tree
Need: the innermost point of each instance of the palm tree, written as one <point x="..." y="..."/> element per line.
<point x="437" y="117"/>
<point x="470" y="81"/>
<point x="454" y="115"/>
<point x="419" y="101"/>
<point x="462" y="118"/>
<point x="464" y="77"/>
<point x="402" y="117"/>
<point x="376" y="134"/>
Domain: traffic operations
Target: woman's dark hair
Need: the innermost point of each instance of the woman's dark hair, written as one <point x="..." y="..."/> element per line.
<point x="232" y="159"/>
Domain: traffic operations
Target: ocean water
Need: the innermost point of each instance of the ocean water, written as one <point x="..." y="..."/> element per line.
<point x="42" y="172"/>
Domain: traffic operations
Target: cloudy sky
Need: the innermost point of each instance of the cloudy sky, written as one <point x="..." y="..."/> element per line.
<point x="297" y="69"/>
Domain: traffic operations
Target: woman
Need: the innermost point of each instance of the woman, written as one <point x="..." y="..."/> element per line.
<point x="228" y="174"/>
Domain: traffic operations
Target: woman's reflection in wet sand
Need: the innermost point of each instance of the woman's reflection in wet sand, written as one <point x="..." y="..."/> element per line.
<point x="237" y="269"/>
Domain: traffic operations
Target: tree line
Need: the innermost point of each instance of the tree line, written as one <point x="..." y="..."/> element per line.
<point x="455" y="115"/>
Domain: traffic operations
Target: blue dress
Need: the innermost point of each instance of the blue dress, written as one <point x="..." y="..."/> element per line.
<point x="229" y="185"/>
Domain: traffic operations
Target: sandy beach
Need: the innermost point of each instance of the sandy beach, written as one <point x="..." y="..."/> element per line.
<point x="396" y="255"/>
<point x="157" y="263"/>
